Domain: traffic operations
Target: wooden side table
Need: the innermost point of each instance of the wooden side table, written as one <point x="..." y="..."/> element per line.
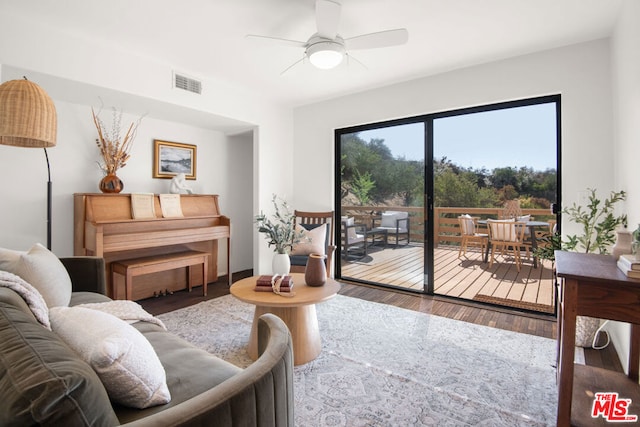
<point x="298" y="313"/>
<point x="592" y="285"/>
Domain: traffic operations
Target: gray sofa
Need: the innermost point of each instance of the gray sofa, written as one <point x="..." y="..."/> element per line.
<point x="43" y="382"/>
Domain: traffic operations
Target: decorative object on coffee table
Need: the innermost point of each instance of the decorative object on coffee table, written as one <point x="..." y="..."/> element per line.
<point x="279" y="232"/>
<point x="280" y="264"/>
<point x="315" y="273"/>
<point x="114" y="149"/>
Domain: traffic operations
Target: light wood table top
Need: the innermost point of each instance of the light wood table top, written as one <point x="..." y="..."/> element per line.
<point x="304" y="295"/>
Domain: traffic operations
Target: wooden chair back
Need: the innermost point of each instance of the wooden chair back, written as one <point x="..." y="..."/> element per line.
<point x="505" y="230"/>
<point x="317" y="218"/>
<point x="511" y="209"/>
<point x="467" y="225"/>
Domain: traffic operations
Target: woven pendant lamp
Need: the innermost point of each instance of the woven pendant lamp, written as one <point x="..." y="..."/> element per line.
<point x="28" y="119"/>
<point x="27" y="115"/>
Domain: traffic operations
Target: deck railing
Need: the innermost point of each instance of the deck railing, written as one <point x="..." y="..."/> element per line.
<point x="447" y="230"/>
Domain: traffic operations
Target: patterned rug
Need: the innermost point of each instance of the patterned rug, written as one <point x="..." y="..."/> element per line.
<point x="385" y="366"/>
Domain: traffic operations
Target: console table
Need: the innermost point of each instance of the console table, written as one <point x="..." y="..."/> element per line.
<point x="592" y="285"/>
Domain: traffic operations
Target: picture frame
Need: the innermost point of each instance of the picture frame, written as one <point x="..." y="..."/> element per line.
<point x="172" y="158"/>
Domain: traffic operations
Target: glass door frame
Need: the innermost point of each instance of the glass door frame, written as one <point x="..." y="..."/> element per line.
<point x="338" y="199"/>
<point x="428" y="121"/>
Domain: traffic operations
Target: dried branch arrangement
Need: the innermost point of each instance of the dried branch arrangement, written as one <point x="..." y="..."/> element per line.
<point x="114" y="149"/>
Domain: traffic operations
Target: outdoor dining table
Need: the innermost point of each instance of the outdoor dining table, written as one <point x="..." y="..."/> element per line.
<point x="531" y="225"/>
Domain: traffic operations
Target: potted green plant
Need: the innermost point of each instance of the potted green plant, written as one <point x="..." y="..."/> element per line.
<point x="599" y="224"/>
<point x="280" y="232"/>
<point x="598" y="227"/>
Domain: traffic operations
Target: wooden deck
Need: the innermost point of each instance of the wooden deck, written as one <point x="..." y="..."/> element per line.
<point x="467" y="277"/>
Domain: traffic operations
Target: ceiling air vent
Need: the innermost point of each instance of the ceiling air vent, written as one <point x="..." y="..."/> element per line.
<point x="187" y="83"/>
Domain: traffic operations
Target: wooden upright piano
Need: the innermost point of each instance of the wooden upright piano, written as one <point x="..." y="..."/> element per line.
<point x="104" y="227"/>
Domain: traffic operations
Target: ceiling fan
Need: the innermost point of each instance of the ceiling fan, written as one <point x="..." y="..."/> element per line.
<point x="326" y="48"/>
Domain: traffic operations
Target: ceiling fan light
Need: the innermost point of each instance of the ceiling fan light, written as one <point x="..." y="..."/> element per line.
<point x="325" y="55"/>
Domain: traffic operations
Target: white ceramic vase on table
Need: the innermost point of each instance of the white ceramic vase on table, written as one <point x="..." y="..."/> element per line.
<point x="281" y="264"/>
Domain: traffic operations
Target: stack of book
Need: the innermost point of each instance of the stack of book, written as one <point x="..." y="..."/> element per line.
<point x="269" y="283"/>
<point x="629" y="265"/>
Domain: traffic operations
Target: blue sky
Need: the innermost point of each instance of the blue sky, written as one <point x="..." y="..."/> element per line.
<point x="523" y="136"/>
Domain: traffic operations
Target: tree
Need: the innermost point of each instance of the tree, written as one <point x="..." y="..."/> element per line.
<point x="362" y="186"/>
<point x="408" y="181"/>
<point x="453" y="190"/>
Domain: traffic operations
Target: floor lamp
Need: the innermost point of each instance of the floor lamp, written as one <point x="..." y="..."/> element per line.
<point x="28" y="119"/>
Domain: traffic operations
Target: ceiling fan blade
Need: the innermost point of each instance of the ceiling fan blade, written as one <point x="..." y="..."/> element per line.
<point x="380" y="39"/>
<point x="327" y="18"/>
<point x="284" y="42"/>
<point x="356" y="60"/>
<point x="292" y="65"/>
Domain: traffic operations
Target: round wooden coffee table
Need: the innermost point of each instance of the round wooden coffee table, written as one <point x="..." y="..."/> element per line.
<point x="298" y="313"/>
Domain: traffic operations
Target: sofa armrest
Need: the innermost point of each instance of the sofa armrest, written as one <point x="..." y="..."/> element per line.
<point x="262" y="394"/>
<point x="87" y="273"/>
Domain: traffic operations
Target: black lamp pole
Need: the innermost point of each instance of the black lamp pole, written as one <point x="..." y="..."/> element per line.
<point x="48" y="200"/>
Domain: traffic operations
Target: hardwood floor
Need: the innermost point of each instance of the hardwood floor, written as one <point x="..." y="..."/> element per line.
<point x="502" y="318"/>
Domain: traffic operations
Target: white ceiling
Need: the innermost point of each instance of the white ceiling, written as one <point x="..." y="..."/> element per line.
<point x="206" y="38"/>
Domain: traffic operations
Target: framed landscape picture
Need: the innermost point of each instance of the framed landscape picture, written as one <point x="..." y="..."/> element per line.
<point x="172" y="158"/>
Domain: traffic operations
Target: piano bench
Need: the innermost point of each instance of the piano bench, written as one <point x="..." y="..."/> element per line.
<point x="130" y="268"/>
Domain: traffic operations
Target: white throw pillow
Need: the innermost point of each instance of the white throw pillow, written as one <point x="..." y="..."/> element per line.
<point x="312" y="242"/>
<point x="124" y="360"/>
<point x="43" y="270"/>
<point x="389" y="219"/>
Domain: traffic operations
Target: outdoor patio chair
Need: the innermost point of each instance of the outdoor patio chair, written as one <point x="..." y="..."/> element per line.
<point x="469" y="235"/>
<point x="354" y="238"/>
<point x="312" y="222"/>
<point x="396" y="223"/>
<point x="511" y="209"/>
<point x="505" y="235"/>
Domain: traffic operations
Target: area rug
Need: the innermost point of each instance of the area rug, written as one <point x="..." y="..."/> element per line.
<point x="385" y="366"/>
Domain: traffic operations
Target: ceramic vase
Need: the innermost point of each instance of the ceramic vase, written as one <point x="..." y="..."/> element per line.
<point x="315" y="273"/>
<point x="623" y="243"/>
<point x="111" y="184"/>
<point x="281" y="264"/>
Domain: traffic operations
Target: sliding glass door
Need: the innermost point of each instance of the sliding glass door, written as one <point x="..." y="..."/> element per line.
<point x="484" y="160"/>
<point x="401" y="186"/>
<point x="381" y="204"/>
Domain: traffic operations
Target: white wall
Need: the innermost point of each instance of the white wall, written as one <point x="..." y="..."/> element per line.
<point x="626" y="96"/>
<point x="580" y="73"/>
<point x="74" y="169"/>
<point x="76" y="71"/>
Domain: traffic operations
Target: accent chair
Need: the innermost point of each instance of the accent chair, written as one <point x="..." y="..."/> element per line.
<point x="506" y="235"/>
<point x="319" y="233"/>
<point x="470" y="236"/>
<point x="354" y="238"/>
<point x="396" y="223"/>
